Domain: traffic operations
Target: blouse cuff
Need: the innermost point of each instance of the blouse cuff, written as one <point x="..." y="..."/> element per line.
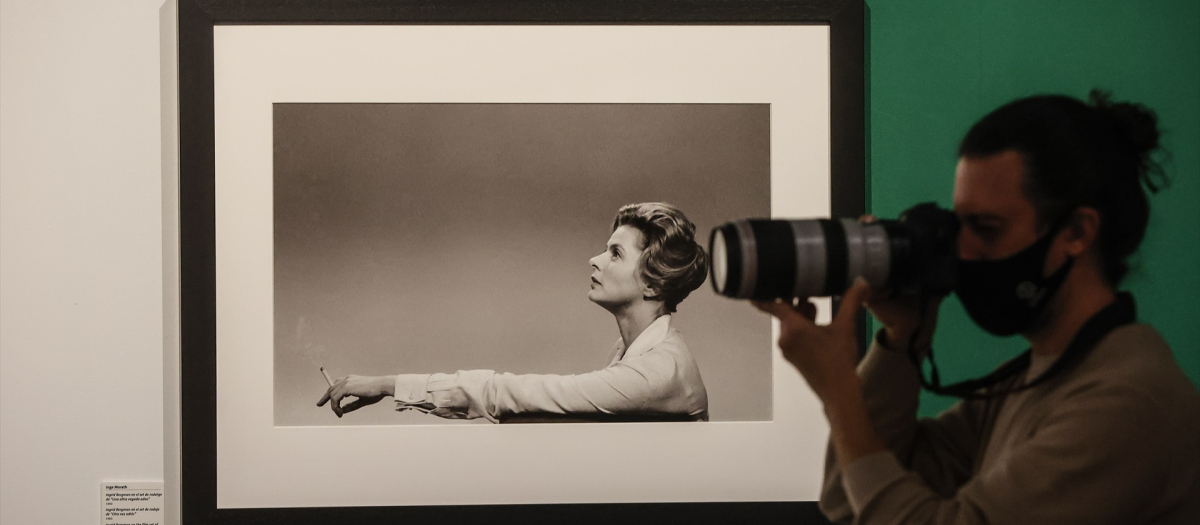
<point x="411" y="389"/>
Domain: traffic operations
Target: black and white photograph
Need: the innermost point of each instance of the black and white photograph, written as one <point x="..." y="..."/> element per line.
<point x="497" y="253"/>
<point x="474" y="263"/>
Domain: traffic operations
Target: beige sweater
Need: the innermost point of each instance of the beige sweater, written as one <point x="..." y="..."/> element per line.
<point x="1115" y="440"/>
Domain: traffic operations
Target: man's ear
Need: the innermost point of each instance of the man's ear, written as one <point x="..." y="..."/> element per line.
<point x="1083" y="230"/>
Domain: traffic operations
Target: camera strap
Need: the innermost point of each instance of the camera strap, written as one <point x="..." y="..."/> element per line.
<point x="1120" y="312"/>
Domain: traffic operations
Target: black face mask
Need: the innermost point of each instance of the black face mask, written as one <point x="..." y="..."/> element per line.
<point x="1006" y="296"/>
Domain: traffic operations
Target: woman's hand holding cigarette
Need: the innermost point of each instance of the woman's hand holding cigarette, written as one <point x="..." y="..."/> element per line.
<point x="368" y="389"/>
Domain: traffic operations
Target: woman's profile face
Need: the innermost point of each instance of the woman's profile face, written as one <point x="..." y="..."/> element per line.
<point x="616" y="280"/>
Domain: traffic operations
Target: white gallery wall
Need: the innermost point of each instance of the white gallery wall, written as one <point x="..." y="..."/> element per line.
<point x="81" y="333"/>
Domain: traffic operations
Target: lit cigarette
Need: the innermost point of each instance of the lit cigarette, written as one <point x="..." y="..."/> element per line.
<point x="326" y="374"/>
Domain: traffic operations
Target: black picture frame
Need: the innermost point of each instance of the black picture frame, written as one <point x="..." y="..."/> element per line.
<point x="198" y="307"/>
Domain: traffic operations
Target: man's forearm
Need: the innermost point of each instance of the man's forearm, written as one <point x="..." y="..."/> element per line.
<point x="851" y="431"/>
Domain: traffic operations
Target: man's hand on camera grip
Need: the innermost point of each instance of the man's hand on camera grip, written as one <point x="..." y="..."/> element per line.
<point x="899" y="315"/>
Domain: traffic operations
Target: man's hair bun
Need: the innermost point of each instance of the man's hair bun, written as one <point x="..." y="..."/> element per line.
<point x="1138" y="125"/>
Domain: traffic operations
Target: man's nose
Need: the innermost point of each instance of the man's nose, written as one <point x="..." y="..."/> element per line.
<point x="968" y="249"/>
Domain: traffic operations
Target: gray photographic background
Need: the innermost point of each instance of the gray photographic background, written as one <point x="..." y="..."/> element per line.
<point x="421" y="238"/>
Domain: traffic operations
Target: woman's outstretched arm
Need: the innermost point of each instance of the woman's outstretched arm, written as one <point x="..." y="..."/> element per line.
<point x="662" y="381"/>
<point x="656" y="383"/>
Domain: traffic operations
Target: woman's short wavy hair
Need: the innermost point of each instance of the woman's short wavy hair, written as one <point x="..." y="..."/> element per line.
<point x="672" y="263"/>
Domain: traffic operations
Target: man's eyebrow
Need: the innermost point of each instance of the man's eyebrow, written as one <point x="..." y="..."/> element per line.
<point x="982" y="217"/>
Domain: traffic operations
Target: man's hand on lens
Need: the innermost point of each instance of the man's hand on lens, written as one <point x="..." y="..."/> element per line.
<point x="825" y="355"/>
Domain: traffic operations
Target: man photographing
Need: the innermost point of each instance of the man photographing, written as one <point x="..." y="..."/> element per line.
<point x="1097" y="425"/>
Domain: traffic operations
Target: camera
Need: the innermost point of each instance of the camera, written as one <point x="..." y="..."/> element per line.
<point x="766" y="259"/>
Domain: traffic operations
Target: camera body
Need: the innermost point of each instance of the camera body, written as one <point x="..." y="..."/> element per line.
<point x="766" y="259"/>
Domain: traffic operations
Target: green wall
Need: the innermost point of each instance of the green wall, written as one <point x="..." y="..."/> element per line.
<point x="936" y="66"/>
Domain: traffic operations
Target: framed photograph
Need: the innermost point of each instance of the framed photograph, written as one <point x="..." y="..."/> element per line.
<point x="428" y="192"/>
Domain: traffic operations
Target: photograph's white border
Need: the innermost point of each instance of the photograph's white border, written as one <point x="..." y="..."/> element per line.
<point x="259" y="465"/>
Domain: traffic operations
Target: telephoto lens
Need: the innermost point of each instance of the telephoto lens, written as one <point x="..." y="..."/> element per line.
<point x="766" y="259"/>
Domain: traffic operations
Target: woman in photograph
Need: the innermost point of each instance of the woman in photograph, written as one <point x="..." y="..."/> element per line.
<point x="650" y="264"/>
